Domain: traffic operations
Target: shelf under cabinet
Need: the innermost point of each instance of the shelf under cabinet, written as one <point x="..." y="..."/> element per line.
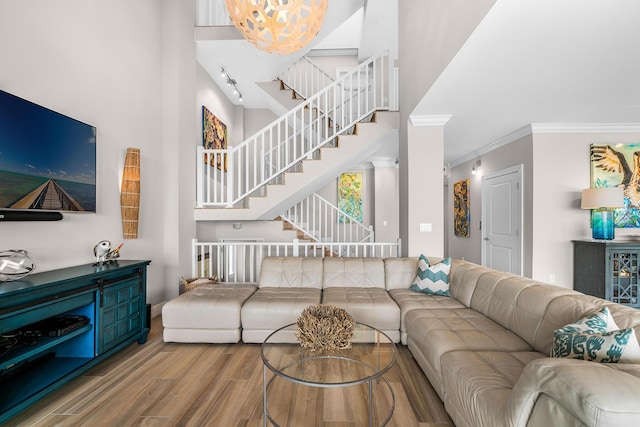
<point x="37" y="379"/>
<point x="42" y="345"/>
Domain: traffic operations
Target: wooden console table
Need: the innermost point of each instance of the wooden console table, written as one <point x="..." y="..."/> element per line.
<point x="112" y="297"/>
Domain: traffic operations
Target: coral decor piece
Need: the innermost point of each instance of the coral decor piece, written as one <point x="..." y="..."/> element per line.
<point x="324" y="327"/>
<point x="277" y="26"/>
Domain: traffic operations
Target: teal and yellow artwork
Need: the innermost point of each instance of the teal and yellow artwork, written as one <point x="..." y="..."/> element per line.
<point x="461" y="214"/>
<point x="618" y="165"/>
<point x="350" y="196"/>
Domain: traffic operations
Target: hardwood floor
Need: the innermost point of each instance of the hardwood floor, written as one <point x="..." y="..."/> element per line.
<point x="168" y="384"/>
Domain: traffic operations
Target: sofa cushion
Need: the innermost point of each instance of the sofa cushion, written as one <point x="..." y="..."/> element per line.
<point x="371" y="306"/>
<point x="436" y="332"/>
<point x="207" y="307"/>
<point x="463" y="279"/>
<point x="479" y="384"/>
<point x="521" y="304"/>
<point x="209" y="313"/>
<point x="353" y="273"/>
<point x="432" y="279"/>
<point x="409" y="300"/>
<point x="291" y="272"/>
<point x="272" y="308"/>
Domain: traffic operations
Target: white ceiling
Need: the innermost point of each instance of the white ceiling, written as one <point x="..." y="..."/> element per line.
<point x="529" y="61"/>
<point x="539" y="61"/>
<point x="225" y="47"/>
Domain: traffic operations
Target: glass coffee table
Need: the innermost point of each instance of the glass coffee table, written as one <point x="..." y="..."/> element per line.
<point x="371" y="355"/>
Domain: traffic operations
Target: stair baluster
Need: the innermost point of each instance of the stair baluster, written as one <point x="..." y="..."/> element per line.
<point x="247" y="168"/>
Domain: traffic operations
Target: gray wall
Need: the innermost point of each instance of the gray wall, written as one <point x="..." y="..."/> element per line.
<point x="515" y="153"/>
<point x="556" y="168"/>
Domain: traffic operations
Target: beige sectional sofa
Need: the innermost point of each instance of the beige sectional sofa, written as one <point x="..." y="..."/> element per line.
<point x="485" y="349"/>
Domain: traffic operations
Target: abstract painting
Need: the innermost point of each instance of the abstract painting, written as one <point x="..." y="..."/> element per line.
<point x="350" y="196"/>
<point x="461" y="215"/>
<point x="615" y="165"/>
<point x="214" y="136"/>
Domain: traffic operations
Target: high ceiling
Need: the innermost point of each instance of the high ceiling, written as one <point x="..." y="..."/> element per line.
<point x="528" y="61"/>
<point x="539" y="61"/>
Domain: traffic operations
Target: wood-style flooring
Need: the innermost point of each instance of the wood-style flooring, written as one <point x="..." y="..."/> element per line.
<point x="169" y="384"/>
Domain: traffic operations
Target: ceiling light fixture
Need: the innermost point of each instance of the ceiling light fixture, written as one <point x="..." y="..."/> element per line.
<point x="277" y="26"/>
<point x="231" y="83"/>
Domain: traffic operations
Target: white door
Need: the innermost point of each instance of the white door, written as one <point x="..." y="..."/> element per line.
<point x="502" y="220"/>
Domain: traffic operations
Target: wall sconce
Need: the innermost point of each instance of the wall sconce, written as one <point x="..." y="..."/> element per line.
<point x="602" y="201"/>
<point x="130" y="193"/>
<point x="231" y="82"/>
<point x="476" y="167"/>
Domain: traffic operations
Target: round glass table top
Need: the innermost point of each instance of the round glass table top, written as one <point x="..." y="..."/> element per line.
<point x="372" y="353"/>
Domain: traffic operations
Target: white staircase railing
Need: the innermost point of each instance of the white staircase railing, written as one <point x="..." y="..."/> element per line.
<point x="239" y="262"/>
<point x="305" y="78"/>
<point x="322" y="221"/>
<point x="297" y="135"/>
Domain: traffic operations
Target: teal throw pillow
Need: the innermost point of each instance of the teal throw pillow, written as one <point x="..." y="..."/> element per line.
<point x="432" y="279"/>
<point x="596" y="338"/>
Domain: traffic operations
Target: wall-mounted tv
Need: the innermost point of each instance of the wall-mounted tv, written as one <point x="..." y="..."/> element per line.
<point x="47" y="160"/>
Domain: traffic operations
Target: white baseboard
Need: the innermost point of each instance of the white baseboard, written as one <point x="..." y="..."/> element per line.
<point x="156" y="309"/>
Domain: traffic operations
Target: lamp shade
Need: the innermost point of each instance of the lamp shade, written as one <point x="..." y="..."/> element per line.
<point x="277" y="26"/>
<point x="596" y="198"/>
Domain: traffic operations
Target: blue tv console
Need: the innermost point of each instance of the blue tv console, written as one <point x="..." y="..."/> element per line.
<point x="112" y="297"/>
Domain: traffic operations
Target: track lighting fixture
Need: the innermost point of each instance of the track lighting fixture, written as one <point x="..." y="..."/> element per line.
<point x="231" y="83"/>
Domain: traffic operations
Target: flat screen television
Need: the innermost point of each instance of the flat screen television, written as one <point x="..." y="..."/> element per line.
<point x="47" y="160"/>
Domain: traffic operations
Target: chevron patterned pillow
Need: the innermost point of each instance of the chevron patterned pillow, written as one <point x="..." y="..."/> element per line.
<point x="432" y="279"/>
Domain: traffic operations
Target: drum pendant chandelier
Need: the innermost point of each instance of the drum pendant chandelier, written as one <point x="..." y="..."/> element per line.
<point x="278" y="26"/>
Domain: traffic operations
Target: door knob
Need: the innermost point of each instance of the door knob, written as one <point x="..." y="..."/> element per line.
<point x="486" y="238"/>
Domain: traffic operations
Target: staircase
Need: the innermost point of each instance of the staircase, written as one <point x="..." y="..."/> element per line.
<point x="301" y="151"/>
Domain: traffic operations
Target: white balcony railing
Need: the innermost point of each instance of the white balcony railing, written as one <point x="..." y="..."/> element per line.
<point x="293" y="137"/>
<point x="239" y="262"/>
<point x="212" y="13"/>
<point x="322" y="221"/>
<point x="305" y="78"/>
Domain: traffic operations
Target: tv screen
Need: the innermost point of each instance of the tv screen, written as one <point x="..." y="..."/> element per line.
<point x="47" y="160"/>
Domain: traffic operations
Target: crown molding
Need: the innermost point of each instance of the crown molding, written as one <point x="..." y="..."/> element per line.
<point x="362" y="165"/>
<point x="534" y="128"/>
<point x="384" y="164"/>
<point x="507" y="139"/>
<point x="429" y="120"/>
<point x="584" y="127"/>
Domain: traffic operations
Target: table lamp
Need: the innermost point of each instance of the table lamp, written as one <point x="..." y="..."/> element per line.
<point x="602" y="201"/>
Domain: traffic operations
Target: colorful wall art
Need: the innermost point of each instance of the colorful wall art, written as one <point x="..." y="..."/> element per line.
<point x="214" y="136"/>
<point x="461" y="215"/>
<point x="350" y="196"/>
<point x="614" y="165"/>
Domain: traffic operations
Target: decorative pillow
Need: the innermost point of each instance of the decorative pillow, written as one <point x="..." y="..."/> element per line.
<point x="596" y="338"/>
<point x="434" y="279"/>
<point x="596" y="322"/>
